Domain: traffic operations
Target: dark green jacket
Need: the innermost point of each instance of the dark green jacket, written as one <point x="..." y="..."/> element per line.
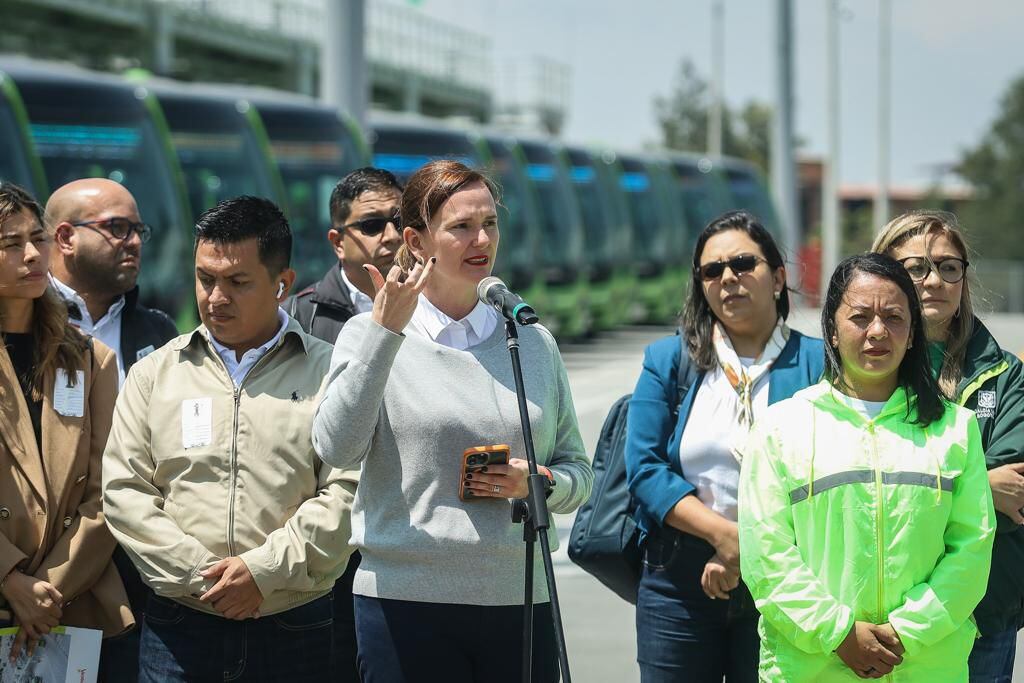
<point x="993" y="387"/>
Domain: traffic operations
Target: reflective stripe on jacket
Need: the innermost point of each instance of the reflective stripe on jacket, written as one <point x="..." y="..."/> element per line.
<point x="843" y="518"/>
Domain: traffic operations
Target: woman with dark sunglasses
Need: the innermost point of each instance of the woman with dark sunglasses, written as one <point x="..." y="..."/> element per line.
<point x="695" y="619"/>
<point x="973" y="371"/>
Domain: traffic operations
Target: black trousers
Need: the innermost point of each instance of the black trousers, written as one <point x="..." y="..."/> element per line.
<point x="423" y="642"/>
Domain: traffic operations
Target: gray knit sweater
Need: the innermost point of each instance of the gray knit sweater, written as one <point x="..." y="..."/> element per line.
<point x="405" y="408"/>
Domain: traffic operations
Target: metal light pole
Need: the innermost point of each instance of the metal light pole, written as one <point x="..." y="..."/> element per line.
<point x="343" y="67"/>
<point x="783" y="159"/>
<point x="717" y="79"/>
<point x="831" y="232"/>
<point x="884" y="94"/>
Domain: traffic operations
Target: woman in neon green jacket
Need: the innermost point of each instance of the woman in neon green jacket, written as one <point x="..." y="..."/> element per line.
<point x="865" y="515"/>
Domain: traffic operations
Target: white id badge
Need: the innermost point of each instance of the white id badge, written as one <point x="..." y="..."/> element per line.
<point x="196" y="422"/>
<point x="69" y="400"/>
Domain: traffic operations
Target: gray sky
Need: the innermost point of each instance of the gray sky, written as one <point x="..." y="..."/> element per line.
<point x="952" y="60"/>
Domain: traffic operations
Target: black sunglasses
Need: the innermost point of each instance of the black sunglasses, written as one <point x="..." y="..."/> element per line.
<point x="375" y="225"/>
<point x="119" y="228"/>
<point x="737" y="264"/>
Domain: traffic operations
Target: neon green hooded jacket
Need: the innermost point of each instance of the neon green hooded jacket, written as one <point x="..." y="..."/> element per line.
<point x="844" y="519"/>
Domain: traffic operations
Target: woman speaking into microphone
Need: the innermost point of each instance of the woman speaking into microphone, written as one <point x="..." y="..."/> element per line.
<point x="414" y="384"/>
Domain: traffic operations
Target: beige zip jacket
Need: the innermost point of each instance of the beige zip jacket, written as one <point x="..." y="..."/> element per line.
<point x="196" y="470"/>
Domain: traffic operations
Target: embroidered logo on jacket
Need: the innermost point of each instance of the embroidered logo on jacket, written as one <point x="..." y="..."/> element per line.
<point x="986" y="404"/>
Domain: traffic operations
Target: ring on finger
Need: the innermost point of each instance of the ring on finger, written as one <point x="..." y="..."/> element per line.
<point x="496" y="488"/>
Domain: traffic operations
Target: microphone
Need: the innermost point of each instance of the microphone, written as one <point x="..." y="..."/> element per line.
<point x="493" y="292"/>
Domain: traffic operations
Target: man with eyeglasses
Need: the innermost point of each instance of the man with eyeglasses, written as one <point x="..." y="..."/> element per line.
<point x="365" y="229"/>
<point x="98" y="237"/>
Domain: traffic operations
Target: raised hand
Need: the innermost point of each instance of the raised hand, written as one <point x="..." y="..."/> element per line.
<point x="395" y="298"/>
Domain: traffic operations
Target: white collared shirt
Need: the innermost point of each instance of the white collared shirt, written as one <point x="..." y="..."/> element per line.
<point x="712" y="432"/>
<point x="238" y="369"/>
<point x="360" y="301"/>
<point x="107" y="329"/>
<point x="430" y="322"/>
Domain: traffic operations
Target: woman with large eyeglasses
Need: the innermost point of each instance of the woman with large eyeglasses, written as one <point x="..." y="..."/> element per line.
<point x="696" y="397"/>
<point x="975" y="372"/>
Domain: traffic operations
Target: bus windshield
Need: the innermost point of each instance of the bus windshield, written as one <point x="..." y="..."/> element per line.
<point x="701" y="198"/>
<point x="517" y="215"/>
<point x="562" y="232"/>
<point x="108" y="133"/>
<point x="749" y="194"/>
<point x="650" y="236"/>
<point x="313" y="150"/>
<point x="14" y="164"/>
<point x="217" y="149"/>
<point x="404" y="150"/>
<point x="596" y="211"/>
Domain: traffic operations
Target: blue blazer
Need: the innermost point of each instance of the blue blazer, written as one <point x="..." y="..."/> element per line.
<point x="653" y="473"/>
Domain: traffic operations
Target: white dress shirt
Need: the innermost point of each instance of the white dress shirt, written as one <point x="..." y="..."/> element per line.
<point x="107" y="329"/>
<point x="361" y="302"/>
<point x="432" y="323"/>
<point x="238" y="369"/>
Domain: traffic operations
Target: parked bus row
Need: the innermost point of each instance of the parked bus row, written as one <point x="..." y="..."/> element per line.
<point x="591" y="237"/>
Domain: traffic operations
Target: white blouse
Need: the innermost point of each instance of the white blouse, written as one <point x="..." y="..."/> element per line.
<point x="711" y="432"/>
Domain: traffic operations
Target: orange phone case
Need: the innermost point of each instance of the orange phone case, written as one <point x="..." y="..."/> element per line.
<point x="478" y="457"/>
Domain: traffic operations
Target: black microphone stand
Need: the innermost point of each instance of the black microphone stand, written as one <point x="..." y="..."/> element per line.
<point x="532" y="512"/>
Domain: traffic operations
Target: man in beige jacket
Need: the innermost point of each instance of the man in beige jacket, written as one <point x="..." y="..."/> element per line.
<point x="211" y="483"/>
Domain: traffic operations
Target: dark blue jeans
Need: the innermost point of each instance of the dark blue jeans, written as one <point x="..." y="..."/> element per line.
<point x="681" y="633"/>
<point x="425" y="642"/>
<point x="119" y="656"/>
<point x="344" y="666"/>
<point x="179" y="644"/>
<point x="991" y="659"/>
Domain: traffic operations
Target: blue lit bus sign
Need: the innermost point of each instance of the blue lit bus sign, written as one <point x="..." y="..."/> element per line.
<point x="581" y="175"/>
<point x="634" y="182"/>
<point x="541" y="173"/>
<point x="405" y="164"/>
<point x="96" y="136"/>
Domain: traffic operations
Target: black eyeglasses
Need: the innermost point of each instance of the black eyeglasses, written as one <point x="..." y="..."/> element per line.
<point x="375" y="225"/>
<point x="951" y="270"/>
<point x="119" y="228"/>
<point x="737" y="264"/>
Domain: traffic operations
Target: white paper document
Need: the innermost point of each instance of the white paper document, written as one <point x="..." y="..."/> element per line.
<point x="66" y="655"/>
<point x="69" y="400"/>
<point x="196" y="422"/>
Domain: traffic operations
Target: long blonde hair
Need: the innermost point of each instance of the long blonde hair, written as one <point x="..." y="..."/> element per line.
<point x="57" y="344"/>
<point x="930" y="221"/>
<point x="427" y="189"/>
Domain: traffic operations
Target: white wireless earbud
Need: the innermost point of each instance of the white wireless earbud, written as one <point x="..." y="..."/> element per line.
<point x="280" y="288"/>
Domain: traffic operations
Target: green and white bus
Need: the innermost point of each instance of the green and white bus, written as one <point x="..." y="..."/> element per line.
<point x="85" y="124"/>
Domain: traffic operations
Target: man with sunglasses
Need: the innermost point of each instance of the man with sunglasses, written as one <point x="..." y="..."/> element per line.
<point x="98" y="237"/>
<point x="365" y="229"/>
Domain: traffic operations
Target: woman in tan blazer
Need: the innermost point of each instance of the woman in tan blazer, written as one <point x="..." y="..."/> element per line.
<point x="57" y="392"/>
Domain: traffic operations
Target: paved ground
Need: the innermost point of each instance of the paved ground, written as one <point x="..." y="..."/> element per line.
<point x="599" y="626"/>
